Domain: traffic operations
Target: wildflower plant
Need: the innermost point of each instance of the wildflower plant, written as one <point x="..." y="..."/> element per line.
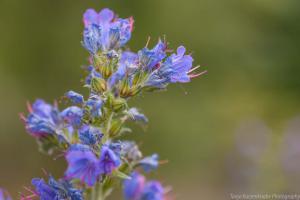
<point x="88" y="132"/>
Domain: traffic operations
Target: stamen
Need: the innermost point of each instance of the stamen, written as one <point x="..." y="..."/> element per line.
<point x="197" y="75"/>
<point x="193" y="69"/>
<point x="148" y="41"/>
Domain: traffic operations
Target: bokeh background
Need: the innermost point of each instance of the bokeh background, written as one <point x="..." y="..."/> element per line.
<point x="234" y="130"/>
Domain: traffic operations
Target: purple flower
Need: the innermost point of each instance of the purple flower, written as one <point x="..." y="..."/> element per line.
<point x="153" y="190"/>
<point x="149" y="163"/>
<point x="4" y="195"/>
<point x="109" y="160"/>
<point x="104" y="31"/>
<point x="94" y="103"/>
<point x="56" y="190"/>
<point x="149" y="59"/>
<point x="44" y="191"/>
<point x="72" y="115"/>
<point x="175" y="69"/>
<point x="92" y="74"/>
<point x="89" y="135"/>
<point x="131" y="151"/>
<point x="43" y="119"/>
<point x="82" y="165"/>
<point x="75" y="97"/>
<point x="136" y="115"/>
<point x="132" y="188"/>
<point x="128" y="64"/>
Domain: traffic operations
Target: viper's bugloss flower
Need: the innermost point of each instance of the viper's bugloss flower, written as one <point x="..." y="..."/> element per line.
<point x="150" y="58"/>
<point x="153" y="190"/>
<point x="149" y="163"/>
<point x="130" y="151"/>
<point x="175" y="69"/>
<point x="83" y="165"/>
<point x="56" y="190"/>
<point x="133" y="188"/>
<point x="43" y="119"/>
<point x="92" y="74"/>
<point x="137" y="116"/>
<point x="72" y="115"/>
<point x="128" y="64"/>
<point x="89" y="135"/>
<point x="94" y="104"/>
<point x="75" y="97"/>
<point x="109" y="160"/>
<point x="4" y="195"/>
<point x="104" y="31"/>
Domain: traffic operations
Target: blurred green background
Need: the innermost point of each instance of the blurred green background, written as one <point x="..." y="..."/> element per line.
<point x="232" y="130"/>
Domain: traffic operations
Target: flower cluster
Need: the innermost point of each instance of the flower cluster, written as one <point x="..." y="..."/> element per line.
<point x="87" y="132"/>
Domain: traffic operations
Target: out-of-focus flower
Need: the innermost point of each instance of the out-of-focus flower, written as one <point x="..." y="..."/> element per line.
<point x="4" y="195"/>
<point x="153" y="190"/>
<point x="131" y="151"/>
<point x="137" y="188"/>
<point x="137" y="116"/>
<point x="132" y="188"/>
<point x="149" y="163"/>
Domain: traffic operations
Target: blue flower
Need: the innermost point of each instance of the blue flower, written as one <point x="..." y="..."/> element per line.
<point x="128" y="64"/>
<point x="131" y="151"/>
<point x="75" y="97"/>
<point x="149" y="163"/>
<point x="56" y="190"/>
<point x="4" y="195"/>
<point x="137" y="116"/>
<point x="44" y="191"/>
<point x="174" y="69"/>
<point x="72" y="115"/>
<point x="79" y="147"/>
<point x="94" y="103"/>
<point x="104" y="31"/>
<point x="109" y="160"/>
<point x="92" y="74"/>
<point x="150" y="59"/>
<point x="133" y="188"/>
<point x="89" y="135"/>
<point x="43" y="119"/>
<point x="82" y="165"/>
<point x="153" y="190"/>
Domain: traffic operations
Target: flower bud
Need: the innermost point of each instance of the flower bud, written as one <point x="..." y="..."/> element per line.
<point x="115" y="128"/>
<point x="98" y="84"/>
<point x="118" y="104"/>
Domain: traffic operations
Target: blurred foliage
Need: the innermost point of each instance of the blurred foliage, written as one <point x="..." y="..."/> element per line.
<point x="250" y="49"/>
